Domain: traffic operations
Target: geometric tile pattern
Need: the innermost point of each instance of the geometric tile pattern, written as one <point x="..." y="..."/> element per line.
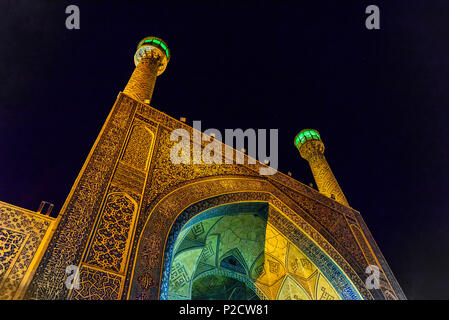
<point x="109" y="243"/>
<point x="10" y="243"/>
<point x="21" y="235"/>
<point x="97" y="285"/>
<point x="138" y="148"/>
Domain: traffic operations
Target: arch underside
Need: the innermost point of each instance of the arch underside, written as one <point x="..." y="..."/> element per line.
<point x="233" y="244"/>
<point x="239" y="232"/>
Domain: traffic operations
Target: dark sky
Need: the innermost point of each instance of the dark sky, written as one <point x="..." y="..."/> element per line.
<point x="378" y="97"/>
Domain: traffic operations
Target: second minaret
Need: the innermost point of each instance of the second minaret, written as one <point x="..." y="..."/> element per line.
<point x="311" y="148"/>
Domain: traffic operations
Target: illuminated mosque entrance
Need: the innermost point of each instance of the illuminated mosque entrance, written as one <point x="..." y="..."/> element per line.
<point x="231" y="252"/>
<point x="141" y="227"/>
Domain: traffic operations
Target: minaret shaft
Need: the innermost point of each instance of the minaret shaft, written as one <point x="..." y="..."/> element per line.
<point x="324" y="178"/>
<point x="141" y="84"/>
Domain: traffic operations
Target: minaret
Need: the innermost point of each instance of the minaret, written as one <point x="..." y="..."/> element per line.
<point x="311" y="148"/>
<point x="151" y="59"/>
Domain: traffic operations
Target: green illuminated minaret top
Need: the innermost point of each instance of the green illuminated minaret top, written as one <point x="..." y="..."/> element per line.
<point x="149" y="44"/>
<point x="305" y="135"/>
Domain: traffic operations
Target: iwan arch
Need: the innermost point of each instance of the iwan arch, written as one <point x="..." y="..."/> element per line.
<point x="141" y="227"/>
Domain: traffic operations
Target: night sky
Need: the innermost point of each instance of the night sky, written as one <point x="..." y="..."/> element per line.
<point x="379" y="98"/>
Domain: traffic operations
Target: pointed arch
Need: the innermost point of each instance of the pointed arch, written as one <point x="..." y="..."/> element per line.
<point x="185" y="204"/>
